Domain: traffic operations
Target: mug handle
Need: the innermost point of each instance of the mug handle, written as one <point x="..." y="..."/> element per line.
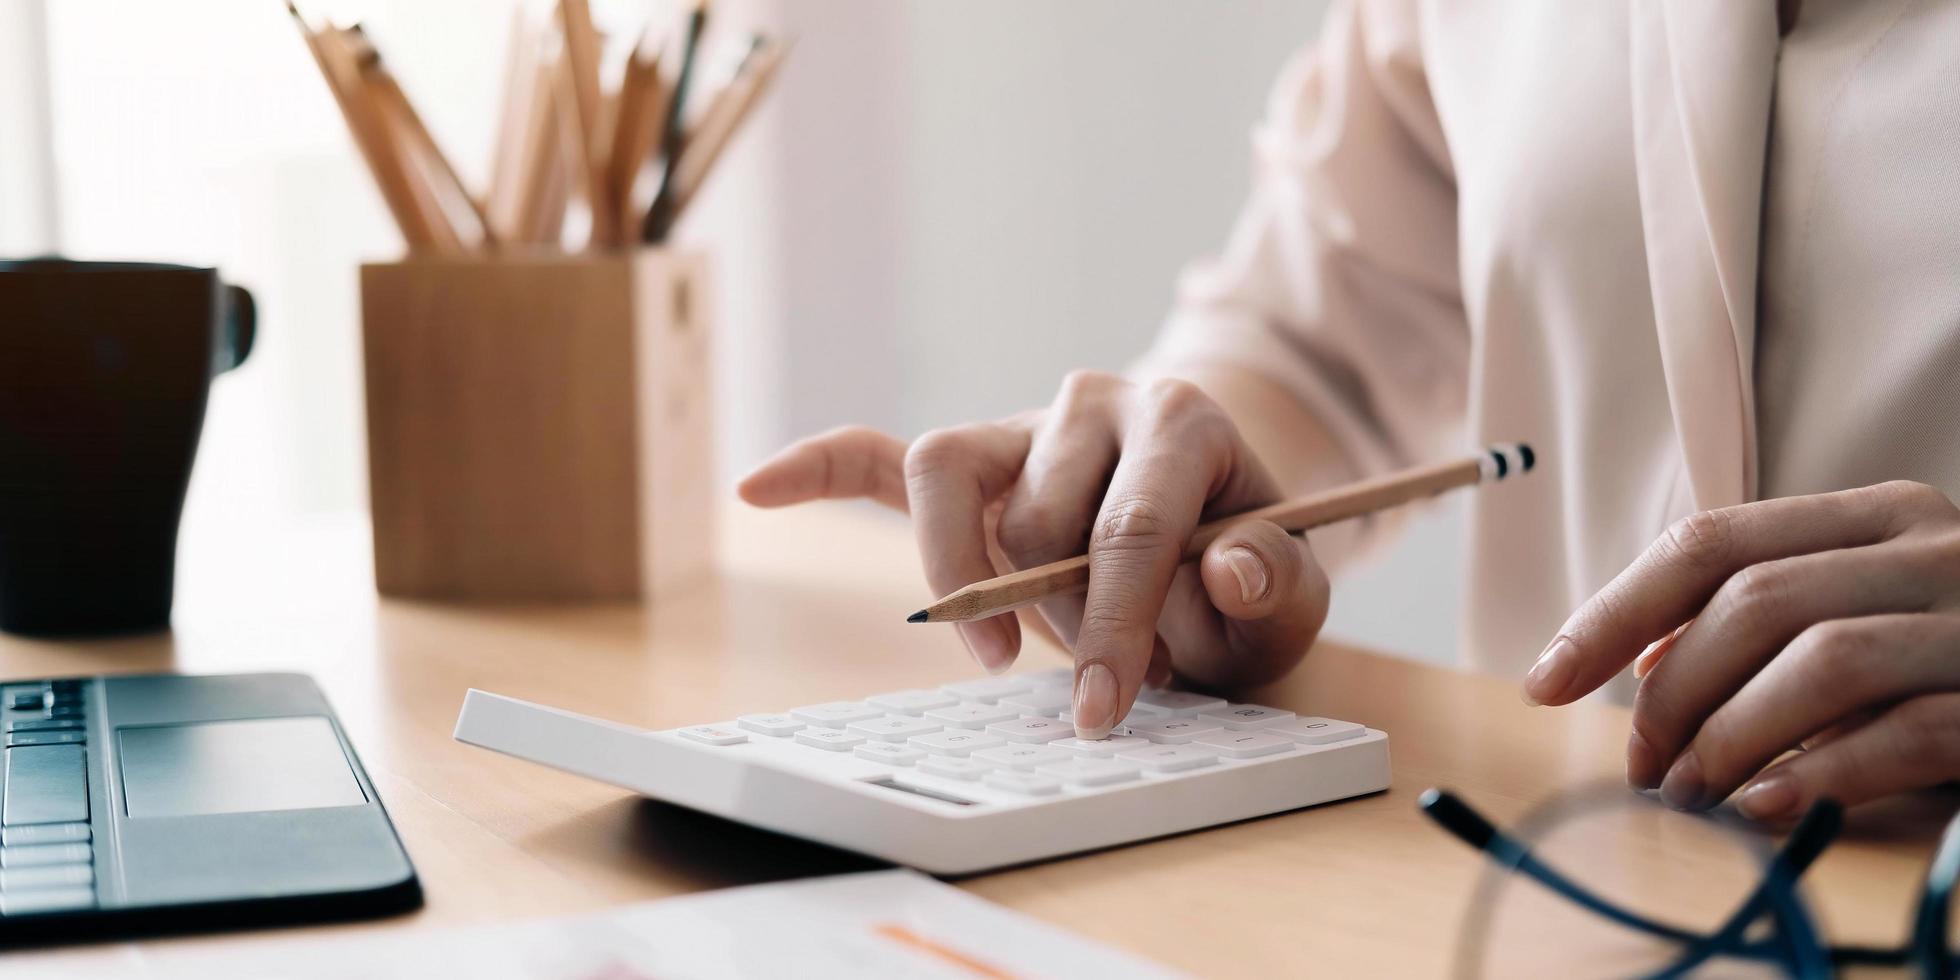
<point x="241" y="317"/>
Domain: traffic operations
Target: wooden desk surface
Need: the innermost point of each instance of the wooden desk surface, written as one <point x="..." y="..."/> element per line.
<point x="1363" y="886"/>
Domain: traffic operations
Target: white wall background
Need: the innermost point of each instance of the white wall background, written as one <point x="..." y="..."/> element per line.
<point x="945" y="207"/>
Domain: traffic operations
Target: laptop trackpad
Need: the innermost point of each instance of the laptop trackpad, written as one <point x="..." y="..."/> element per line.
<point x="234" y="767"/>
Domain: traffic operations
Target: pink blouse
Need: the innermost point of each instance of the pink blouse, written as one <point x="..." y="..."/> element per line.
<point x="1691" y="262"/>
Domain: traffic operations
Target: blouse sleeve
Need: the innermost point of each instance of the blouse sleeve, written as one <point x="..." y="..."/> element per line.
<point x="1339" y="280"/>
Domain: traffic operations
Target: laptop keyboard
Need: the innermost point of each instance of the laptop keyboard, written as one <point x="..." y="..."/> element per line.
<point x="47" y="859"/>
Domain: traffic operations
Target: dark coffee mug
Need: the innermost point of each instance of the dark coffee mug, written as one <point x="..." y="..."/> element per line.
<point x="105" y="368"/>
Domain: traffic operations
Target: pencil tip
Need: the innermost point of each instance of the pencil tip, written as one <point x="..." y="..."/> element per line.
<point x="917" y="617"/>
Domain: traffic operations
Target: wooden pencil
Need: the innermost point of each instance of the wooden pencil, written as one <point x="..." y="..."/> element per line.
<point x="582" y="70"/>
<point x="723" y="119"/>
<point x="653" y="226"/>
<point x="342" y="78"/>
<point x="349" y="47"/>
<point x="641" y="116"/>
<point x="1071" y="575"/>
<point x="504" y="201"/>
<point x="393" y="105"/>
<point x="540" y="152"/>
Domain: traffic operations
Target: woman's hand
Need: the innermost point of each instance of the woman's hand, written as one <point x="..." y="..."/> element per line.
<point x="1125" y="472"/>
<point x="1829" y="623"/>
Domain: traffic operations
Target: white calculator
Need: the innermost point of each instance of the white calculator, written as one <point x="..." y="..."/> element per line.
<point x="970" y="776"/>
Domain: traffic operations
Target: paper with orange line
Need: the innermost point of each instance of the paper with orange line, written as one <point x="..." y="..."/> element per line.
<point x="875" y="924"/>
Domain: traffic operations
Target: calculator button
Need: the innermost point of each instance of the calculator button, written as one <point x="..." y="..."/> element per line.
<point x="44" y="833"/>
<point x="988" y="689"/>
<point x="1121" y="728"/>
<point x="46" y="900"/>
<point x="889" y="753"/>
<point x="939" y="765"/>
<point x="955" y="741"/>
<point x="1244" y="745"/>
<point x="829" y="738"/>
<point x="1032" y="729"/>
<point x="893" y="728"/>
<point x="44" y="738"/>
<point x="1040" y="702"/>
<point x="35" y="855"/>
<point x="47" y="876"/>
<point x="1089" y="772"/>
<point x="1175" y="731"/>
<point x="912" y="702"/>
<point x="33" y="700"/>
<point x="1243" y="716"/>
<point x="972" y="715"/>
<point x="714" y="735"/>
<point x="1026" y="783"/>
<point x="1310" y="730"/>
<point x="1179" y="702"/>
<point x="1020" y="756"/>
<point x="778" y="726"/>
<point x="835" y="714"/>
<point x="1139" y="714"/>
<point x="1101" y="748"/>
<point x="1169" y="758"/>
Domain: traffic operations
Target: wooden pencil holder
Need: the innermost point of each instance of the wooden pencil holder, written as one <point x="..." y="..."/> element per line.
<point x="538" y="424"/>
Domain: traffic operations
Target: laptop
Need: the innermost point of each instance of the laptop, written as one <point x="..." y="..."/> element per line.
<point x="167" y="802"/>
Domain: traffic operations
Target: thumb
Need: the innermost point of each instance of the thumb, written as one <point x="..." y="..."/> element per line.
<point x="1272" y="596"/>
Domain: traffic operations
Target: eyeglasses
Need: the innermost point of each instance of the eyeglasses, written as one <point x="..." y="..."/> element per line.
<point x="1632" y="841"/>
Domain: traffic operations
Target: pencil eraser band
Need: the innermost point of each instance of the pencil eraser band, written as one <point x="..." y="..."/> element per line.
<point x="1502" y="459"/>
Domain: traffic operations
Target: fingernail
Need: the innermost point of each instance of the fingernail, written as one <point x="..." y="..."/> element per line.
<point x="1643" y="766"/>
<point x="1251" y="573"/>
<point x="1644" y="664"/>
<point x="1769" y="799"/>
<point x="1550" y="676"/>
<point x="1683" y="788"/>
<point x="1095" y="702"/>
